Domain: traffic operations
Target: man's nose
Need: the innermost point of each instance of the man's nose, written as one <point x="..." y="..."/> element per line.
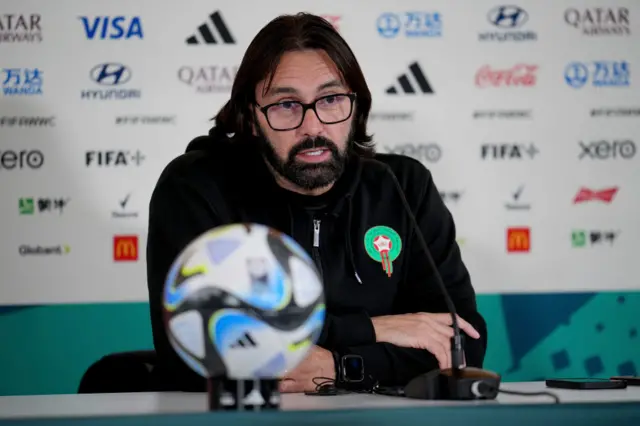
<point x="311" y="125"/>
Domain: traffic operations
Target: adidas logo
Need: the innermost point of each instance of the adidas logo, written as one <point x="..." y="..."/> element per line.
<point x="244" y="341"/>
<point x="204" y="34"/>
<point x="409" y="87"/>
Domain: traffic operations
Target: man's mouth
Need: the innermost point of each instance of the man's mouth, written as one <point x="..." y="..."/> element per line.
<point x="313" y="152"/>
<point x="314" y="155"/>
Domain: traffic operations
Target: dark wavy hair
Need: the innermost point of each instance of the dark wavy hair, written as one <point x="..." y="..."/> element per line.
<point x="284" y="34"/>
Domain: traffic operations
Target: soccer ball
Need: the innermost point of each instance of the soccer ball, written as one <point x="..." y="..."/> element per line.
<point x="243" y="301"/>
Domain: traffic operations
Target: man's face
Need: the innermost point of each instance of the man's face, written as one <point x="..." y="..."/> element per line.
<point x="313" y="155"/>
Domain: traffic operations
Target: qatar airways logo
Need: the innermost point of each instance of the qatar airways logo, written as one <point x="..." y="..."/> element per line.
<point x="520" y="75"/>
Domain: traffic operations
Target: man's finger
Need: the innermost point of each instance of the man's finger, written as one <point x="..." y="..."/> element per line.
<point x="468" y="328"/>
<point x="462" y="324"/>
<point x="287" y="385"/>
<point x="438" y="345"/>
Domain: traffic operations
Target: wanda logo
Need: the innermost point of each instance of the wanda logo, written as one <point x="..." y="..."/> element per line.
<point x="518" y="75"/>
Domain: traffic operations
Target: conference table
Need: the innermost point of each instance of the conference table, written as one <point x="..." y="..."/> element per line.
<point x="576" y="407"/>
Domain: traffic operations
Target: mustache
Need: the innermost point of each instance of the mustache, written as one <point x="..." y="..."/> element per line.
<point x="313" y="143"/>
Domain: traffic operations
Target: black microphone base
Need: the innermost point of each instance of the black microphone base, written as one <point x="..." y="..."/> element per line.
<point x="225" y="394"/>
<point x="454" y="384"/>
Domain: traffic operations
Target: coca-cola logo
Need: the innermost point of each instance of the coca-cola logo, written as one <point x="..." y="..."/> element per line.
<point x="518" y="75"/>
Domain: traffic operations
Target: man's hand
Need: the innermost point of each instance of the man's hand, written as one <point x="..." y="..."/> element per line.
<point x="428" y="331"/>
<point x="318" y="364"/>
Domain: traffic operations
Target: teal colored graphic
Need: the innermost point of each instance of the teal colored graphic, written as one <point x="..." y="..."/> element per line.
<point x="46" y="349"/>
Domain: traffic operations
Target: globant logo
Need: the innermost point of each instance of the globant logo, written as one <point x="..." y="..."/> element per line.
<point x="38" y="250"/>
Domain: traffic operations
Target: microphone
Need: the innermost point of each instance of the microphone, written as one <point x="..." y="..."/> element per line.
<point x="458" y="382"/>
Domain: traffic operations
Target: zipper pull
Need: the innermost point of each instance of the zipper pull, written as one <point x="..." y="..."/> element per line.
<point x="316" y="233"/>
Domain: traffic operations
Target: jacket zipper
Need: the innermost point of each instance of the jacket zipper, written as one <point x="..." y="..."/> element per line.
<point x="316" y="246"/>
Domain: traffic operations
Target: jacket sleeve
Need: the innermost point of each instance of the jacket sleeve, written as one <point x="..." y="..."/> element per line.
<point x="346" y="330"/>
<point x="177" y="215"/>
<point x="419" y="292"/>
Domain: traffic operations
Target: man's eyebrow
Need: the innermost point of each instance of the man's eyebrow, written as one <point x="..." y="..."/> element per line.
<point x="276" y="90"/>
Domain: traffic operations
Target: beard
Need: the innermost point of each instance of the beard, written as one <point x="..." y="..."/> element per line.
<point x="309" y="176"/>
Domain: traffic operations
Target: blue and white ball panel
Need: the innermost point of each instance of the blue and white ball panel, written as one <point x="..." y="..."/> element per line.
<point x="228" y="265"/>
<point x="187" y="329"/>
<point x="252" y="349"/>
<point x="307" y="287"/>
<point x="175" y="296"/>
<point x="194" y="364"/>
<point x="296" y="249"/>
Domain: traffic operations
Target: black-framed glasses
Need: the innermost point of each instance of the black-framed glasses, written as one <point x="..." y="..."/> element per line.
<point x="289" y="115"/>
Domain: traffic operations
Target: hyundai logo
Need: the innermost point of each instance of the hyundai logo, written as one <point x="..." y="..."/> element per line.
<point x="508" y="16"/>
<point x="110" y="74"/>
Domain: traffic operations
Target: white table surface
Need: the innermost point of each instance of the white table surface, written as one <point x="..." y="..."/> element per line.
<point x="176" y="402"/>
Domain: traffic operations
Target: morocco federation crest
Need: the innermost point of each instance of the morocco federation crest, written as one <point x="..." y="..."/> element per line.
<point x="383" y="245"/>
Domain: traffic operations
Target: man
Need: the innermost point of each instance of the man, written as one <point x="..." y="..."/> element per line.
<point x="290" y="150"/>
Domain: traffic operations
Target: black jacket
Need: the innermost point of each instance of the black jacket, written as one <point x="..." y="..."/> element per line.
<point x="217" y="182"/>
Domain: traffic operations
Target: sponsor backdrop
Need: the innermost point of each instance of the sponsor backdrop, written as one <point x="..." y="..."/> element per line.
<point x="528" y="115"/>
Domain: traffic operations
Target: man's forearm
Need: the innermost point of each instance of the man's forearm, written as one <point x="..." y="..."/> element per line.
<point x="394" y="365"/>
<point x="353" y="329"/>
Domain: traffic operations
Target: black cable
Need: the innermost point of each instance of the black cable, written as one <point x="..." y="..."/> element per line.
<point x="327" y="383"/>
<point x="539" y="393"/>
<point x="489" y="391"/>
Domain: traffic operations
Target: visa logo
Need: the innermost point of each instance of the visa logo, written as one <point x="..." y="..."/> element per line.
<point x="114" y="28"/>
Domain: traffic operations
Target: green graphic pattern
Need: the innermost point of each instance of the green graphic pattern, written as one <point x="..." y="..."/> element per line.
<point x="46" y="349"/>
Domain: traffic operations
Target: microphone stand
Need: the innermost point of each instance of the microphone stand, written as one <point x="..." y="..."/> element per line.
<point x="458" y="382"/>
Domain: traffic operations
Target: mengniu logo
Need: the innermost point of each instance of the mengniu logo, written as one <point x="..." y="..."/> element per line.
<point x="410" y="24"/>
<point x="518" y="240"/>
<point x="125" y="248"/>
<point x="22" y="81"/>
<point x="587" y="238"/>
<point x="603" y="195"/>
<point x="508" y="21"/>
<point x="408" y="87"/>
<point x="383" y="245"/>
<point x="38" y="250"/>
<point x="28" y="206"/>
<point x="520" y="75"/>
<point x="205" y="32"/>
<point x="110" y="77"/>
<point x="597" y="74"/>
<point x="23" y="159"/>
<point x="20" y="28"/>
<point x="112" y="27"/>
